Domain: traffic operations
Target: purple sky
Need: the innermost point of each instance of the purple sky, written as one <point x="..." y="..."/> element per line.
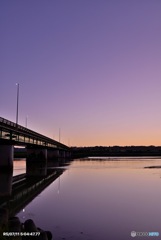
<point x="91" y="68"/>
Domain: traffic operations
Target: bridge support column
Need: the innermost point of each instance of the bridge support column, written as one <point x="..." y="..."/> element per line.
<point x="5" y="184"/>
<point x="6" y="157"/>
<point x="62" y="156"/>
<point x="53" y="157"/>
<point x="68" y="155"/>
<point x="36" y="162"/>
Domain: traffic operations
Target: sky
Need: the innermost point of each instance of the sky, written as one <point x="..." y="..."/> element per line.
<point x="87" y="69"/>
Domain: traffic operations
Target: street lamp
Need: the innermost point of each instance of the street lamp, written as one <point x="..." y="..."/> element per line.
<point x="59" y="134"/>
<point x="26" y="121"/>
<point x="17" y="103"/>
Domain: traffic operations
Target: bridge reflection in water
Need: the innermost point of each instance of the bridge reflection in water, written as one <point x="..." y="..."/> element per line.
<point x="39" y="148"/>
<point x="18" y="191"/>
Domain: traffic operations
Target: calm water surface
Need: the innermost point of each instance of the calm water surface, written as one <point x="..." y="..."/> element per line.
<point x="19" y="166"/>
<point x="99" y="200"/>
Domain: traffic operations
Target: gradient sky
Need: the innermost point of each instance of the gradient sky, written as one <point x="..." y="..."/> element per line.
<point x="91" y="68"/>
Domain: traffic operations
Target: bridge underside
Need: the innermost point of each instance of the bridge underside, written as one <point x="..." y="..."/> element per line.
<point x="37" y="156"/>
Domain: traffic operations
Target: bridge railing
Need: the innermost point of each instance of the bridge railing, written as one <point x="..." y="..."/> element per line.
<point x="18" y="127"/>
<point x="5" y="121"/>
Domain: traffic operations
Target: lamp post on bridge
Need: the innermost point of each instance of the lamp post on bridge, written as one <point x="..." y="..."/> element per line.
<point x="26" y="121"/>
<point x="59" y="134"/>
<point x="17" y="103"/>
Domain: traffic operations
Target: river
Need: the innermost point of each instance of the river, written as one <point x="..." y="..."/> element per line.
<point x="99" y="199"/>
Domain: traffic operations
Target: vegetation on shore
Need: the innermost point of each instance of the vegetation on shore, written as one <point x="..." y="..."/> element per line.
<point x="119" y="151"/>
<point x="103" y="151"/>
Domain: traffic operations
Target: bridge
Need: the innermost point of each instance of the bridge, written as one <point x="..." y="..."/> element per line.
<point x="40" y="149"/>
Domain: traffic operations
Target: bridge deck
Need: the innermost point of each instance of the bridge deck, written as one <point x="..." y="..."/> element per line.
<point x="19" y="135"/>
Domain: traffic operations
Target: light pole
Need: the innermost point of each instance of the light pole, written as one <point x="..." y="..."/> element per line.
<point x="26" y="121"/>
<point x="17" y="103"/>
<point x="59" y="134"/>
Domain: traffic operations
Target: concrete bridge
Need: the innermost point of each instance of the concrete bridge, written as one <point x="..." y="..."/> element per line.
<point x="40" y="149"/>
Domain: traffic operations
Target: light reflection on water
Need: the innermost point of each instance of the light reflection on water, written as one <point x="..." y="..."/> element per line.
<point x="100" y="200"/>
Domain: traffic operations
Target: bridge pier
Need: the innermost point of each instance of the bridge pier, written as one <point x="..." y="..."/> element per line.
<point x="68" y="155"/>
<point x="36" y="161"/>
<point x="5" y="184"/>
<point x="62" y="156"/>
<point x="6" y="157"/>
<point x="52" y="157"/>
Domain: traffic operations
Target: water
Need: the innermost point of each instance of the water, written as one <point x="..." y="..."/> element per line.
<point x="100" y="200"/>
<point x="19" y="166"/>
